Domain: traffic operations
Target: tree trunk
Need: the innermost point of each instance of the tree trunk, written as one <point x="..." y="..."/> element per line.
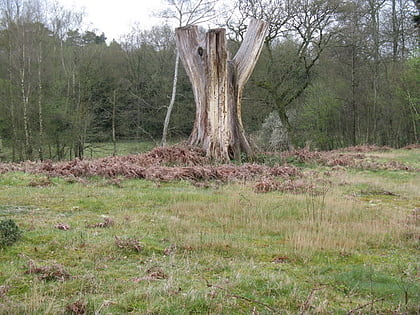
<point x="218" y="85"/>
<point x="40" y="109"/>
<point x="375" y="8"/>
<point x="25" y="91"/>
<point x="353" y="95"/>
<point x="395" y="31"/>
<point x="114" y="137"/>
<point x="171" y="103"/>
<point x="12" y="103"/>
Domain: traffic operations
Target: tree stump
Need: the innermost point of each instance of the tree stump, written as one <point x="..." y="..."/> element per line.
<point x="218" y="84"/>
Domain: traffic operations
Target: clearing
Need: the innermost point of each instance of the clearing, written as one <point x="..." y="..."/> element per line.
<point x="167" y="232"/>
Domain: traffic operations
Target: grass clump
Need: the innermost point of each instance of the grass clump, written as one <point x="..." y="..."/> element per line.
<point x="54" y="272"/>
<point x="78" y="307"/>
<point x="129" y="244"/>
<point x="9" y="233"/>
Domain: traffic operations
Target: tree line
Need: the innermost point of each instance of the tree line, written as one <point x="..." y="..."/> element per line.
<point x="331" y="74"/>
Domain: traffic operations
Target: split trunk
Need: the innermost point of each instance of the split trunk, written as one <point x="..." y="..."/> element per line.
<point x="218" y="83"/>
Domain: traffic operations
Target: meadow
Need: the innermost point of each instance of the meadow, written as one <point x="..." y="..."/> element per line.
<point x="334" y="238"/>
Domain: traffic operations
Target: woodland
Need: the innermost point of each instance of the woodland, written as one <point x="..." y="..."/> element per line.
<point x="319" y="214"/>
<point x="331" y="74"/>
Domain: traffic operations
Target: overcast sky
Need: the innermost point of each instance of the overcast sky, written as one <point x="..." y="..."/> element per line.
<point x="116" y="17"/>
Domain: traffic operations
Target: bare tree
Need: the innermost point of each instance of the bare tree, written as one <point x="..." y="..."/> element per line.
<point x="304" y="27"/>
<point x="113" y="116"/>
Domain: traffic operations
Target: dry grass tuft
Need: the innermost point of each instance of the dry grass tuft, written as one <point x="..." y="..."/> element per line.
<point x="170" y="250"/>
<point x="3" y="290"/>
<point x="114" y="182"/>
<point x="77" y="308"/>
<point x="41" y="182"/>
<point x="129" y="243"/>
<point x="281" y="260"/>
<point x="412" y="146"/>
<point x="294" y="186"/>
<point x="154" y="273"/>
<point x="107" y="223"/>
<point x="62" y="226"/>
<point x="55" y="272"/>
<point x="365" y="148"/>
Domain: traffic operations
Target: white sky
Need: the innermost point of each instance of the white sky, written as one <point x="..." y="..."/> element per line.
<point x="116" y="17"/>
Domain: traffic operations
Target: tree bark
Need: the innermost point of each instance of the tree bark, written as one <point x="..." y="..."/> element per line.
<point x="353" y="95"/>
<point x="218" y="85"/>
<point x="40" y="109"/>
<point x="25" y="92"/>
<point x="12" y="101"/>
<point x="171" y="103"/>
<point x="114" y="137"/>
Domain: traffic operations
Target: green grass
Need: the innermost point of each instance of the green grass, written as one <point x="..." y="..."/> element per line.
<point x="94" y="149"/>
<point x="97" y="150"/>
<point x="408" y="157"/>
<point x="237" y="252"/>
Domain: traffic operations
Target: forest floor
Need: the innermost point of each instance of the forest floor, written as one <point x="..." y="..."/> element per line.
<point x="169" y="232"/>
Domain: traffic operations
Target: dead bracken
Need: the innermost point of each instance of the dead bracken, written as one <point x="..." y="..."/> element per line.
<point x="54" y="272"/>
<point x="106" y="223"/>
<point x="3" y="290"/>
<point x="189" y="163"/>
<point x="62" y="226"/>
<point x="78" y="307"/>
<point x="129" y="243"/>
<point x="171" y="249"/>
<point x="41" y="182"/>
<point x="154" y="273"/>
<point x="281" y="260"/>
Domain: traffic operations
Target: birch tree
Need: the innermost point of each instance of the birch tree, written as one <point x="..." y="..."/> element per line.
<point x="184" y="12"/>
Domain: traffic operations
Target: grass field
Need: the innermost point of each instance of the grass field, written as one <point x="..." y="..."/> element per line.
<point x="92" y="150"/>
<point x="131" y="246"/>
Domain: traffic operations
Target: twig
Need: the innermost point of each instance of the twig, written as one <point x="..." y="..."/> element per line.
<point x="367" y="304"/>
<point x="245" y="199"/>
<point x="148" y="134"/>
<point x="242" y="297"/>
<point x="105" y="303"/>
<point x="308" y="301"/>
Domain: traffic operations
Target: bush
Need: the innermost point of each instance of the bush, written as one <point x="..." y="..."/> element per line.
<point x="273" y="135"/>
<point x="9" y="233"/>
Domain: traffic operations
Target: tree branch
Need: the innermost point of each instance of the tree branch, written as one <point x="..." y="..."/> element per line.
<point x="250" y="50"/>
<point x="367" y="304"/>
<point x="307" y="303"/>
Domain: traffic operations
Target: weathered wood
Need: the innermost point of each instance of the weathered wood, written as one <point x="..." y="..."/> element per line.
<point x="218" y="85"/>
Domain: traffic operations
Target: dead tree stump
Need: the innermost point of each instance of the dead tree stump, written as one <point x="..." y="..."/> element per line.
<point x="218" y="84"/>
